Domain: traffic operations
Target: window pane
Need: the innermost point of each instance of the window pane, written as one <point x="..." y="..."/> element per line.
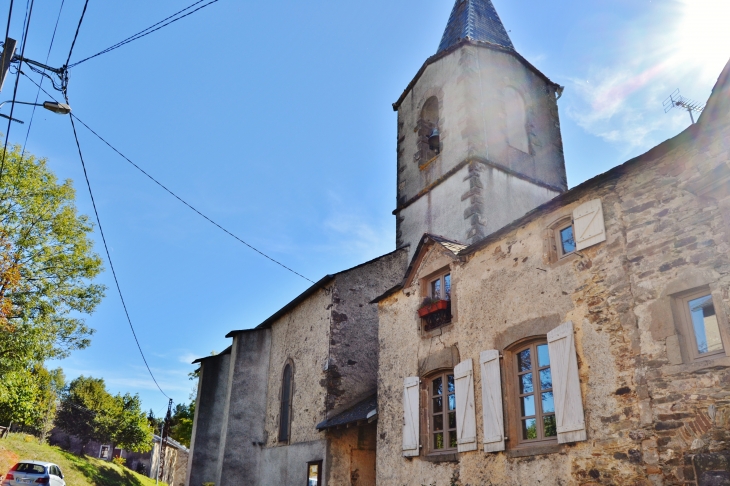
<point x="313" y="475"/>
<point x="438" y="440"/>
<point x="438" y="405"/>
<point x="452" y="402"/>
<point x="438" y="422"/>
<point x="436" y="289"/>
<point x="451" y="386"/>
<point x="529" y="429"/>
<point x="452" y="420"/>
<point x="543" y="358"/>
<point x="447" y="287"/>
<point x="528" y="405"/>
<point x="452" y="439"/>
<point x="566" y="239"/>
<point x="523" y="360"/>
<point x="548" y="405"/>
<point x="438" y="388"/>
<point x="526" y="384"/>
<point x="546" y="379"/>
<point x="549" y="426"/>
<point x="704" y="321"/>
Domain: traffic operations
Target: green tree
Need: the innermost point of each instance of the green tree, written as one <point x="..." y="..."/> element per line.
<point x="131" y="430"/>
<point x="52" y="384"/>
<point x="181" y="428"/>
<point x="29" y="397"/>
<point x="47" y="265"/>
<point x="86" y="410"/>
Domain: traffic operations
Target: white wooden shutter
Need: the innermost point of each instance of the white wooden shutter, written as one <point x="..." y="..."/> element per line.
<point x="566" y="384"/>
<point x="588" y="225"/>
<point x="466" y="424"/>
<point x="410" y="416"/>
<point x="492" y="401"/>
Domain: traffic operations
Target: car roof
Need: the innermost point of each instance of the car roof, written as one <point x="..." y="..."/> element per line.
<point x="40" y="463"/>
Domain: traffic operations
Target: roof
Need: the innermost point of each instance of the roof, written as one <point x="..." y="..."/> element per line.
<point x="171" y="442"/>
<point x="304" y="295"/>
<point x="225" y="351"/>
<point x="360" y="412"/>
<point x="40" y="463"/>
<point x="476" y="20"/>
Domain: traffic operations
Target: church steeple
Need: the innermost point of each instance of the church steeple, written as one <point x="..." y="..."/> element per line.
<point x="476" y="20"/>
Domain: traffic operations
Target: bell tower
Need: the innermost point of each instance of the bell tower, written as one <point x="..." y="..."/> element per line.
<point x="479" y="141"/>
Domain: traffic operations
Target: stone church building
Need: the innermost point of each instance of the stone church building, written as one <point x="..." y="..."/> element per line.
<point x="521" y="332"/>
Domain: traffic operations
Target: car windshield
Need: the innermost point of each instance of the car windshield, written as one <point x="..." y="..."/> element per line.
<point x="26" y="467"/>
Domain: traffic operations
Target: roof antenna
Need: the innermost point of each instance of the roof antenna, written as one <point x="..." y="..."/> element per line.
<point x="675" y="99"/>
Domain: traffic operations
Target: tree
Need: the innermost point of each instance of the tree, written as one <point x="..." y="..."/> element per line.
<point x="29" y="397"/>
<point x="182" y="423"/>
<point x="131" y="430"/>
<point x="52" y="384"/>
<point x="47" y="265"/>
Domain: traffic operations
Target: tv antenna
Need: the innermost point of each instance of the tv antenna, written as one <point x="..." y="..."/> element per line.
<point x="676" y="99"/>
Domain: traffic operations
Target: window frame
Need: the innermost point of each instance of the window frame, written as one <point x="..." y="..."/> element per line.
<point x="441" y="278"/>
<point x="427" y="328"/>
<point x="514" y="440"/>
<point x="429" y="428"/>
<point x="285" y="440"/>
<point x="558" y="229"/>
<point x="685" y="326"/>
<point x="319" y="471"/>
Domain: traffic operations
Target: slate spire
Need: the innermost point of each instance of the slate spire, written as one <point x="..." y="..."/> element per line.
<point x="476" y="20"/>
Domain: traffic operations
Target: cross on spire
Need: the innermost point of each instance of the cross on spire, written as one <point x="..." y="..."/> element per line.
<point x="476" y="20"/>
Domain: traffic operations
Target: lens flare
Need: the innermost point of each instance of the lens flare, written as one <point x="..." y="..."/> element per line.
<point x="703" y="36"/>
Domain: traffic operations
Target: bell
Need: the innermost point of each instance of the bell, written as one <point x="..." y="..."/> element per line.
<point x="434" y="140"/>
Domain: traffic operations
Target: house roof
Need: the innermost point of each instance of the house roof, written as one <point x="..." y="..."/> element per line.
<point x="225" y="351"/>
<point x="360" y="412"/>
<point x="476" y="20"/>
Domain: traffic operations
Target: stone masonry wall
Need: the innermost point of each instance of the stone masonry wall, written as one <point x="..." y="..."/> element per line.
<point x="652" y="418"/>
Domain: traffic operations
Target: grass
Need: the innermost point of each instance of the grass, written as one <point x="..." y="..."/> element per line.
<point x="77" y="471"/>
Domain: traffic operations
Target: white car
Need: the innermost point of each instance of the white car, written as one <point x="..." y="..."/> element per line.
<point x="27" y="473"/>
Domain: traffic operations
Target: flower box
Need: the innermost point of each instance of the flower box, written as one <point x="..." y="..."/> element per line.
<point x="434" y="307"/>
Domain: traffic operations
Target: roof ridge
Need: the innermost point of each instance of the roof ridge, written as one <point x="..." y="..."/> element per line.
<point x="475" y="20"/>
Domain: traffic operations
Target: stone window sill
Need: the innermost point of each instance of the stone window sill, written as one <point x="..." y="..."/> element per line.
<point x="535" y="451"/>
<point x="699" y="366"/>
<point x="453" y="457"/>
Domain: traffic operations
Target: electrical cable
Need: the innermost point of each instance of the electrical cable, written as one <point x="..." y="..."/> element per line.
<point x="147" y="31"/>
<point x="15" y="90"/>
<point x="109" y="258"/>
<point x="78" y="27"/>
<point x="48" y="55"/>
<point x="175" y="195"/>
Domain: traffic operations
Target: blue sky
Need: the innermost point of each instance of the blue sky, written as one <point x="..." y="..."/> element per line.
<point x="275" y="119"/>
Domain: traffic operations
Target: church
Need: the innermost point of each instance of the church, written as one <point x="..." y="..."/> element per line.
<point x="521" y="332"/>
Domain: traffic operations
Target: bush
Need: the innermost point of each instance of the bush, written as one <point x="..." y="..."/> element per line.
<point x="119" y="461"/>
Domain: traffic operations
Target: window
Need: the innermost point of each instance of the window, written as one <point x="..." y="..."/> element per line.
<point x="533" y="383"/>
<point x="314" y="473"/>
<point x="104" y="452"/>
<point x="567" y="241"/>
<point x="699" y="324"/>
<point x="516" y="119"/>
<point x="560" y="240"/>
<point x="285" y="411"/>
<point x="429" y="137"/>
<point x="442" y="413"/>
<point x="436" y="307"/>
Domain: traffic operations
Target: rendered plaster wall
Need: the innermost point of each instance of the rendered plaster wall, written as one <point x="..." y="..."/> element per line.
<point x="209" y="419"/>
<point x="245" y="412"/>
<point x="352" y="370"/>
<point x="649" y="421"/>
<point x="287" y="466"/>
<point x="352" y="455"/>
<point x="470" y="84"/>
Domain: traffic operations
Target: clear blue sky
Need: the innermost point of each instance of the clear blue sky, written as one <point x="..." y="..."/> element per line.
<point x="275" y="119"/>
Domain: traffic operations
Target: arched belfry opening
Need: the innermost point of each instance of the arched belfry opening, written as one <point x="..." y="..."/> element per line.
<point x="516" y="120"/>
<point x="429" y="135"/>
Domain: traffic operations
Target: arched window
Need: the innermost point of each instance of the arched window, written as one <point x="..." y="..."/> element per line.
<point x="429" y="136"/>
<point x="516" y="120"/>
<point x="286" y="398"/>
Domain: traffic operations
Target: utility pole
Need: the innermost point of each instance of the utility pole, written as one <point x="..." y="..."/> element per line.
<point x="5" y="58"/>
<point x="163" y="438"/>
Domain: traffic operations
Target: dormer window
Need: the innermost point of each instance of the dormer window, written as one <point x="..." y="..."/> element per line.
<point x="435" y="310"/>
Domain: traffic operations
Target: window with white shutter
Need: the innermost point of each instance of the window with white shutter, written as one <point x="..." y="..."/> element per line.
<point x="492" y="401"/>
<point x="570" y="421"/>
<point x="588" y="225"/>
<point x="410" y="416"/>
<point x="466" y="426"/>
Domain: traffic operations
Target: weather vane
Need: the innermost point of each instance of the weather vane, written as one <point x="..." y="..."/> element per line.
<point x="676" y="99"/>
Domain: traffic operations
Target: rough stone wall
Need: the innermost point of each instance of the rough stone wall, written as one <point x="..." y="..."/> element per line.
<point x="649" y="421"/>
<point x="469" y="84"/>
<point x="205" y="443"/>
<point x="353" y="346"/>
<point x="352" y="456"/>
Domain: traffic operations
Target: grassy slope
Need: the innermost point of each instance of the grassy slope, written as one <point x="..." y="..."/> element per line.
<point x="78" y="471"/>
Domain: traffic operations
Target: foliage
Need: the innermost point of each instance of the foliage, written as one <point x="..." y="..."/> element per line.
<point x="428" y="301"/>
<point x="182" y="423"/>
<point x="47" y="264"/>
<point x="119" y="461"/>
<point x="29" y="397"/>
<point x="52" y="384"/>
<point x="90" y="412"/>
<point x="77" y="471"/>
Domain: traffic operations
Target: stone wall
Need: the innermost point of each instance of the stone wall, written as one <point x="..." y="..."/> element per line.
<point x="651" y="416"/>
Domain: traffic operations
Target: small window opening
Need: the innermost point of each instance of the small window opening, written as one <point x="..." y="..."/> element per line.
<point x="285" y="411"/>
<point x="436" y="307"/>
<point x="429" y="135"/>
<point x="567" y="240"/>
<point x="314" y="473"/>
<point x="704" y="323"/>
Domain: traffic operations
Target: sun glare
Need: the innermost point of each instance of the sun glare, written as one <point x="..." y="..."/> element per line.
<point x="703" y="36"/>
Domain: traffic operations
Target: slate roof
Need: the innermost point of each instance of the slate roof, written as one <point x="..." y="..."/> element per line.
<point x="363" y="410"/>
<point x="476" y="20"/>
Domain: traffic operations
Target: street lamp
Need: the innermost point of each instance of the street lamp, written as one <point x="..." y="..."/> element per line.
<point x="54" y="106"/>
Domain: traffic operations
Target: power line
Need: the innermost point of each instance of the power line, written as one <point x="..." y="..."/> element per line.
<point x="30" y="123"/>
<point x="109" y="258"/>
<point x="175" y="195"/>
<point x="148" y="30"/>
<point x="78" y="27"/>
<point x="15" y="89"/>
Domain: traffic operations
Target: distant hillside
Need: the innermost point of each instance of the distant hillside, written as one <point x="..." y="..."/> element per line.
<point x="78" y="471"/>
